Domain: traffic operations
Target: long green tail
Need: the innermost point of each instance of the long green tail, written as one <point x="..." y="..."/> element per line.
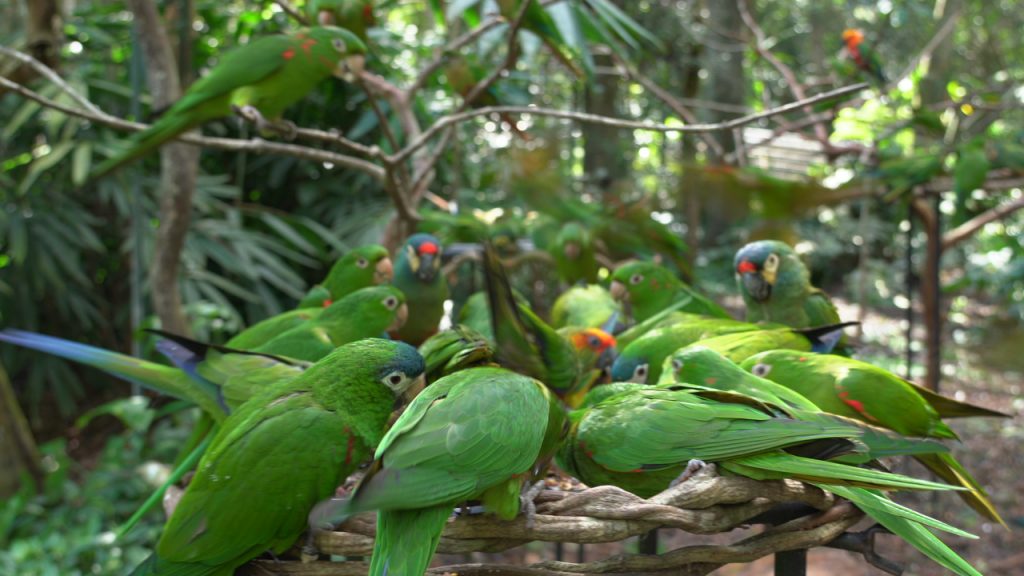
<point x="168" y="126"/>
<point x="908" y="525"/>
<point x="945" y="466"/>
<point x="406" y="540"/>
<point x="163" y="379"/>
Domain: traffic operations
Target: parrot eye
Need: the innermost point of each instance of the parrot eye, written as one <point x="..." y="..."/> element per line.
<point x="595" y="342"/>
<point x="677" y="364"/>
<point x="339" y="45"/>
<point x="396" y="381"/>
<point x="761" y="369"/>
<point x="640" y="374"/>
<point x="391" y="302"/>
<point x="362" y="263"/>
<point x="636" y="278"/>
<point x="771" y="263"/>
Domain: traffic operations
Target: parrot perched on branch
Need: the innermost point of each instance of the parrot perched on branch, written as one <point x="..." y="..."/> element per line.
<point x="279" y="454"/>
<point x="359" y="268"/>
<point x="874" y="395"/>
<point x="418" y="276"/>
<point x="477" y="434"/>
<point x="644" y="440"/>
<point x="776" y="287"/>
<point x="258" y="80"/>
<point x="589" y="306"/>
<point x="862" y="56"/>
<point x="649" y="288"/>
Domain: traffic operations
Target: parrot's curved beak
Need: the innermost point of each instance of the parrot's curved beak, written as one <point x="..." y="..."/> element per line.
<point x="384" y="271"/>
<point x="414" y="389"/>
<point x="401" y="315"/>
<point x="349" y="69"/>
<point x="572" y="250"/>
<point x="756" y="285"/>
<point x="618" y="291"/>
<point x="426" y="270"/>
<point x="325" y="18"/>
<point x="607" y="358"/>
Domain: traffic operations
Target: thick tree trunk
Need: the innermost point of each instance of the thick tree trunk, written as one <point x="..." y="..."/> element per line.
<point x="19" y="457"/>
<point x="179" y="164"/>
<point x="604" y="161"/>
<point x="726" y="80"/>
<point x="43" y="39"/>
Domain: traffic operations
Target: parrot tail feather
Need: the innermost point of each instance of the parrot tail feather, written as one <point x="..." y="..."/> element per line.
<point x="406" y="540"/>
<point x="945" y="466"/>
<point x="142" y="143"/>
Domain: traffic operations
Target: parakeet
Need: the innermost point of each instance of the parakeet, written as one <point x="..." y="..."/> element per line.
<point x="260" y="79"/>
<point x="589" y="306"/>
<point x="776" y="287"/>
<point x="353" y="15"/>
<point x="359" y="268"/>
<point x="455" y="349"/>
<point x="417" y="274"/>
<point x="866" y="60"/>
<point x="477" y="434"/>
<point x="281" y="453"/>
<point x="649" y="288"/>
<point x="866" y="392"/>
<point x="365" y="313"/>
<point x="643" y="440"/>
<point x="574" y="253"/>
<point x="739" y="346"/>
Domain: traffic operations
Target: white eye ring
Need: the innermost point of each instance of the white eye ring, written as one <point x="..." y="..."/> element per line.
<point x="391" y="302"/>
<point x="362" y="263"/>
<point x="396" y="381"/>
<point x="761" y="369"/>
<point x="636" y="278"/>
<point x="771" y="262"/>
<point x="339" y="45"/>
<point x="640" y="374"/>
<point x="677" y="364"/>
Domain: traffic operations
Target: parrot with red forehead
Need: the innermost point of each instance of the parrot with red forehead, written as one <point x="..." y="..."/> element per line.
<point x="418" y="276"/>
<point x="862" y="56"/>
<point x="258" y="81"/>
<point x="776" y="287"/>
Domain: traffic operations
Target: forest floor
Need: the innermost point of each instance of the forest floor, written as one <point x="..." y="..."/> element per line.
<point x="988" y="373"/>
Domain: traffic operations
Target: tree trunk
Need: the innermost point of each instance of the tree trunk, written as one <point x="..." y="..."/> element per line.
<point x="604" y="161"/>
<point x="43" y="40"/>
<point x="179" y="164"/>
<point x="19" y="457"/>
<point x="726" y="80"/>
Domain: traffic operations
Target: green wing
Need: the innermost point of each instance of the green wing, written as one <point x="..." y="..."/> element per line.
<point x="256" y="483"/>
<point x="819" y="309"/>
<point x="242" y="376"/>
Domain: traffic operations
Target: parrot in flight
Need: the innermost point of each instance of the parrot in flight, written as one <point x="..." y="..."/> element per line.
<point x="279" y="454"/>
<point x="477" y="434"/>
<point x="365" y="313"/>
<point x="259" y="81"/>
<point x="776" y="287"/>
<point x="360" y="267"/>
<point x="649" y="288"/>
<point x="644" y="440"/>
<point x="418" y="276"/>
<point x="874" y="395"/>
<point x="356" y="16"/>
<point x="862" y="56"/>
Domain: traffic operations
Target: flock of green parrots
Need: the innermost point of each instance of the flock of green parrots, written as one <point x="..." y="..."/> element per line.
<point x="636" y="383"/>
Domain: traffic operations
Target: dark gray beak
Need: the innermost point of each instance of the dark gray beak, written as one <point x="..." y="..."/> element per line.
<point x="426" y="271"/>
<point x="755" y="285"/>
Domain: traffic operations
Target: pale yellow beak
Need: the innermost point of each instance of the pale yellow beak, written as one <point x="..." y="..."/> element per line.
<point x="619" y="292"/>
<point x="384" y="271"/>
<point x="350" y="68"/>
<point x="400" y="317"/>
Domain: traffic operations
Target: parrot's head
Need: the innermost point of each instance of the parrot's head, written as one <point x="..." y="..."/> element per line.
<point x="383" y="306"/>
<point x="760" y="265"/>
<point x="595" y="343"/>
<point x="761" y="365"/>
<point x="342" y="48"/>
<point x="422" y="255"/>
<point x="373" y="257"/>
<point x="852" y="37"/>
<point x="698" y="365"/>
<point x="395" y="365"/>
<point x="403" y="372"/>
<point x="645" y="286"/>
<point x="631" y="367"/>
<point x="572" y="239"/>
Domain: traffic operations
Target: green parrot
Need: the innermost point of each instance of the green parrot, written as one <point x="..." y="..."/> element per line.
<point x="359" y="268"/>
<point x="455" y="349"/>
<point x="649" y="288"/>
<point x="352" y="15"/>
<point x="365" y="313"/>
<point x="574" y="254"/>
<point x="417" y="275"/>
<point x="739" y="346"/>
<point x="477" y="434"/>
<point x="476" y="315"/>
<point x="641" y="360"/>
<point x="646" y="440"/>
<point x="862" y="56"/>
<point x="589" y="306"/>
<point x="776" y="287"/>
<point x="279" y="454"/>
<point x="260" y="79"/>
<point x="874" y="395"/>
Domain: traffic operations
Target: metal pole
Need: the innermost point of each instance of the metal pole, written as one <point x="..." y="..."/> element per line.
<point x="935" y="336"/>
<point x="909" y="289"/>
<point x="791" y="563"/>
<point x="136" y="73"/>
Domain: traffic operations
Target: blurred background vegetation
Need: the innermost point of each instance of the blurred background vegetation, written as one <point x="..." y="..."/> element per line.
<point x="862" y="187"/>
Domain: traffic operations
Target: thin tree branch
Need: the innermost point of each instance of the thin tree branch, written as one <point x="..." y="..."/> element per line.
<point x="292" y="11"/>
<point x="926" y="52"/>
<point x="50" y="75"/>
<point x="967" y="229"/>
<point x="450" y="119"/>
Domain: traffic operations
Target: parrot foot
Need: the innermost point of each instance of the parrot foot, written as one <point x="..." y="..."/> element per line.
<point x="692" y="467"/>
<point x="283" y="128"/>
<point x="527" y="504"/>
<point x="467" y="509"/>
<point x="309" y="552"/>
<point x="864" y="544"/>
